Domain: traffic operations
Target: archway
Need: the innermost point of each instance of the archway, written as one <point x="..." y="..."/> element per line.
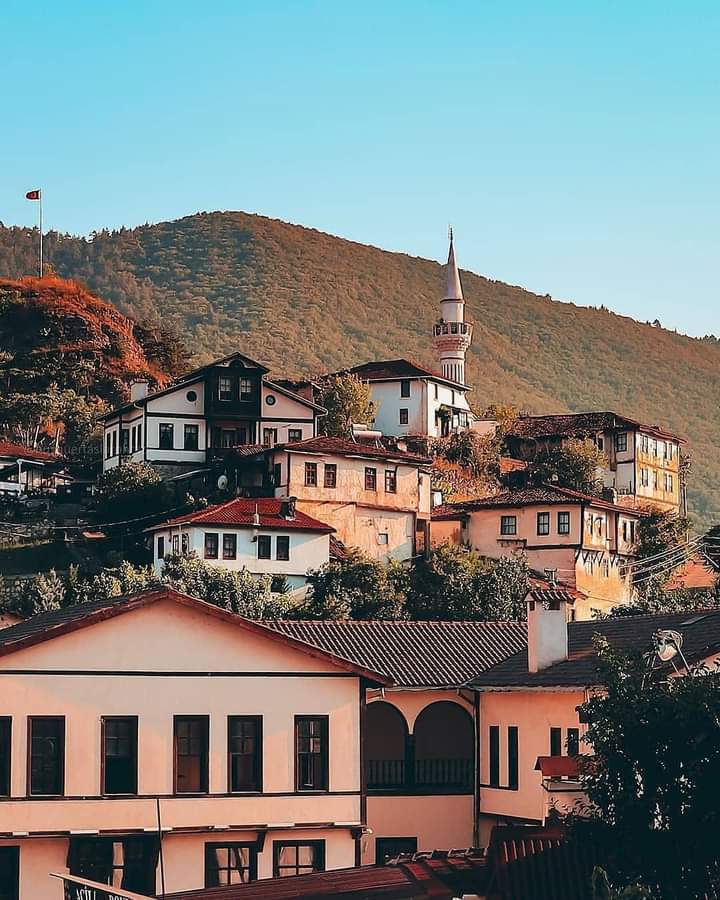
<point x="444" y="743"/>
<point x="386" y="740"/>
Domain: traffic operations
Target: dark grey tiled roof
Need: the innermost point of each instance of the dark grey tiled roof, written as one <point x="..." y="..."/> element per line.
<point x="700" y="630"/>
<point x="414" y="654"/>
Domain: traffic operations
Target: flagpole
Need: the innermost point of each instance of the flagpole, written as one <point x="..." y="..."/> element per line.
<point x="41" y="235"/>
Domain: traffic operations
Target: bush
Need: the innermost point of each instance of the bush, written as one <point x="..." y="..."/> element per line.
<point x="130" y="491"/>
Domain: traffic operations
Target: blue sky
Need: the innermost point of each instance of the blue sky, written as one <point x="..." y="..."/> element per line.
<point x="574" y="146"/>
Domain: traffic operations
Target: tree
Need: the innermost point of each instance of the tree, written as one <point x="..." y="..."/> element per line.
<point x="457" y="583"/>
<point x="574" y="464"/>
<point x="659" y="531"/>
<point x="347" y="400"/>
<point x="355" y="588"/>
<point x="651" y="781"/>
<point x="43" y="593"/>
<point x="480" y="454"/>
<point x="131" y="490"/>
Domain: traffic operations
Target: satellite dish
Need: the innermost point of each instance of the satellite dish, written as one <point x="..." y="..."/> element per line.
<point x="667" y="644"/>
<point x="222" y="483"/>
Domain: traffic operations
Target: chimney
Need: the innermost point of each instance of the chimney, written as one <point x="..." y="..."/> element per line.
<point x="547" y="629"/>
<point x="138" y="389"/>
<point x="287" y="508"/>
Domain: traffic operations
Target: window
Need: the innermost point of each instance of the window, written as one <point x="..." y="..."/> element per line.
<point x="244" y="753"/>
<point x="508" y="524"/>
<point x="191" y="396"/>
<point x="330" y="475"/>
<point x="46" y="747"/>
<point x="391" y="481"/>
<point x="277" y="475"/>
<point x="310" y="474"/>
<point x="294" y="435"/>
<point x="123" y="862"/>
<point x="311" y="753"/>
<point x="167" y="439"/>
<point x="655" y="479"/>
<point x="119" y="755"/>
<point x="563" y="523"/>
<point x="9" y="873"/>
<point x="108" y="452"/>
<point x="494" y="755"/>
<point x="405" y="387"/>
<point x="404" y="416"/>
<point x="621" y="441"/>
<point x="269" y="437"/>
<point x="573" y="742"/>
<point x="124" y="441"/>
<point x="5" y="756"/>
<point x="245" y="389"/>
<point x="298" y="858"/>
<point x="230" y="864"/>
<point x="227" y="437"/>
<point x="600" y="443"/>
<point x="191" y="754"/>
<point x="556" y="742"/>
<point x="114" y="443"/>
<point x="175" y="544"/>
<point x="264" y="548"/>
<point x="668" y="483"/>
<point x="436" y="390"/>
<point x="139" y="437"/>
<point x="512" y="756"/>
<point x="282" y="547"/>
<point x="389" y="848"/>
<point x="211" y="545"/>
<point x="383" y="538"/>
<point x="225" y="388"/>
<point x="185" y="542"/>
<point x="229" y="546"/>
<point x="191" y="437"/>
<point x="543" y="523"/>
<point x="370" y="479"/>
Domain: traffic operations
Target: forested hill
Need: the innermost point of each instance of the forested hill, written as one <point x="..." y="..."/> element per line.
<point x="302" y="301"/>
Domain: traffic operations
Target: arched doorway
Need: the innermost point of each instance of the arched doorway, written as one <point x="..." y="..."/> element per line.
<point x="386" y="741"/>
<point x="444" y="744"/>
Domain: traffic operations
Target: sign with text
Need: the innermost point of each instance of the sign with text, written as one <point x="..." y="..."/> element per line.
<point x="77" y="888"/>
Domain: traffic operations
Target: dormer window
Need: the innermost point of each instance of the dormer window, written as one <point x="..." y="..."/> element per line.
<point x="225" y="391"/>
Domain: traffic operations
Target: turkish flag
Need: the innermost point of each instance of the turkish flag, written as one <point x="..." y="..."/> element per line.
<point x="32" y="195"/>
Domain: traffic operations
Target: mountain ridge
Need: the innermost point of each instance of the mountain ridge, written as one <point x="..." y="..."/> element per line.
<point x="303" y="301"/>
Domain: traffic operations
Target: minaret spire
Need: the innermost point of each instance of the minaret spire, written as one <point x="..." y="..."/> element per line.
<point x="452" y="334"/>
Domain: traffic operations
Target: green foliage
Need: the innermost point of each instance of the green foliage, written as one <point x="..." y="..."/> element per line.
<point x="659" y="531"/>
<point x="457" y="583"/>
<point x="347" y="400"/>
<point x="602" y="890"/>
<point x="355" y="588"/>
<point x="236" y="591"/>
<point x="480" y="454"/>
<point x="652" y="786"/>
<point x="131" y="490"/>
<point x="43" y="593"/>
<point x="302" y="301"/>
<point x="574" y="464"/>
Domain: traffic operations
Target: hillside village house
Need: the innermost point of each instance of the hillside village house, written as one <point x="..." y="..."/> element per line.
<point x="200" y="417"/>
<point x="25" y="469"/>
<point x="643" y="460"/>
<point x="266" y="536"/>
<point x="157" y="712"/>
<point x="530" y="726"/>
<point x="420" y="744"/>
<point x="581" y="541"/>
<point x="377" y="498"/>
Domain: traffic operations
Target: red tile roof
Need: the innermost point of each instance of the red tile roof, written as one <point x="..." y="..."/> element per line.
<point x="552" y="595"/>
<point x="338" y="550"/>
<point x="558" y="766"/>
<point x="240" y="513"/>
<point x="8" y="448"/>
<point x="347" y="447"/>
<point x="530" y="496"/>
<point x="580" y="424"/>
<point x="414" y="654"/>
<point x="438" y="874"/>
<point x="508" y="465"/>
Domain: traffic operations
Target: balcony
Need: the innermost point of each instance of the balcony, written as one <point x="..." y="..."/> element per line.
<point x="427" y="775"/>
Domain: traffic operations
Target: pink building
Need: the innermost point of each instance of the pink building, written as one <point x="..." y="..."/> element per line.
<point x="158" y="713"/>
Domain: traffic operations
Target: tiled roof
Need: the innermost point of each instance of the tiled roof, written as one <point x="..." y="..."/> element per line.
<point x="552" y="595"/>
<point x="558" y="766"/>
<point x="579" y="424"/>
<point x="700" y="630"/>
<point x="414" y="654"/>
<point x="508" y="465"/>
<point x="8" y="448"/>
<point x="436" y="874"/>
<point x="380" y="370"/>
<point x="338" y="550"/>
<point x="240" y="513"/>
<point x="347" y="447"/>
<point x="697" y="574"/>
<point x="530" y="496"/>
<point x="46" y="626"/>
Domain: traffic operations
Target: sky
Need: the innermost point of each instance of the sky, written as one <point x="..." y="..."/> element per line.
<point x="574" y="146"/>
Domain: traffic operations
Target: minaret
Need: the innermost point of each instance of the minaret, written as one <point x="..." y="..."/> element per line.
<point x="451" y="333"/>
